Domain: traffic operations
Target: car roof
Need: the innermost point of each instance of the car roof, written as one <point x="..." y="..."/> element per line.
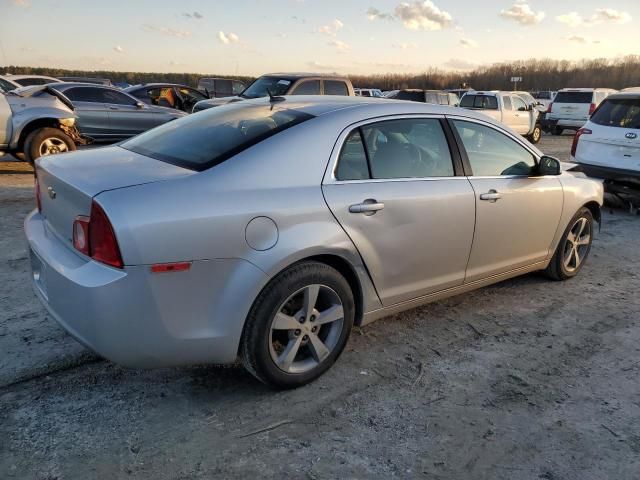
<point x="156" y="85"/>
<point x="67" y="85"/>
<point x="297" y="75"/>
<point x="588" y="89"/>
<point x="634" y="95"/>
<point x="20" y="77"/>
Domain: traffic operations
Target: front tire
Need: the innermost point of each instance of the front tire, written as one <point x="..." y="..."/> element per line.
<point x="574" y="247"/>
<point x="298" y="326"/>
<point x="536" y="135"/>
<point x="557" y="130"/>
<point x="47" y="141"/>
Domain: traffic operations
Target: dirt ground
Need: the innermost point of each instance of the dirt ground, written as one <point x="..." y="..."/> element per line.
<point x="527" y="379"/>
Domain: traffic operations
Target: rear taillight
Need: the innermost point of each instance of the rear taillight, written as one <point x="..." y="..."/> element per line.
<point x="550" y="108"/>
<point x="94" y="236"/>
<point x="37" y="193"/>
<point x="576" y="139"/>
<point x="592" y="108"/>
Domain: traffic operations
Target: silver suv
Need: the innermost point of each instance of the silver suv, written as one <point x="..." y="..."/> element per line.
<point x="37" y="121"/>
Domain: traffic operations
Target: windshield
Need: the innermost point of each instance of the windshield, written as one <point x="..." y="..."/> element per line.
<point x="202" y="140"/>
<point x="479" y="101"/>
<point x="262" y="86"/>
<point x="574" y="97"/>
<point x="618" y="112"/>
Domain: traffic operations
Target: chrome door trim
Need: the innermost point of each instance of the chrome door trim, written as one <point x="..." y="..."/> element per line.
<point x="330" y="174"/>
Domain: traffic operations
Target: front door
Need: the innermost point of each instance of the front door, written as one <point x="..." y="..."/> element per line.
<point x="395" y="193"/>
<point x="517" y="213"/>
<point x="127" y="116"/>
<point x="93" y="119"/>
<point x="522" y="116"/>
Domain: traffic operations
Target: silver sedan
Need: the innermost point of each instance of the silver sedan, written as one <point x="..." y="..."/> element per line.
<point x="266" y="229"/>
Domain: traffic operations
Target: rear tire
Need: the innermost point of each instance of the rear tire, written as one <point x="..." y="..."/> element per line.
<point x="536" y="135"/>
<point x="574" y="247"/>
<point x="298" y="326"/>
<point x="557" y="130"/>
<point x="47" y="141"/>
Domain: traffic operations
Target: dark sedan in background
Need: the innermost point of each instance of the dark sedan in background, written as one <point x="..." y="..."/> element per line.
<point x="170" y="95"/>
<point x="107" y="114"/>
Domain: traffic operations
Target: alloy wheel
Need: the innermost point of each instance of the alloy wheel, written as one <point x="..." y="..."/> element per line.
<point x="306" y="329"/>
<point x="52" y="145"/>
<point x="577" y="244"/>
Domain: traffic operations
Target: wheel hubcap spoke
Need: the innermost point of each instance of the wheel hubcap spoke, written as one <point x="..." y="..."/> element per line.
<point x="319" y="349"/>
<point x="288" y="356"/>
<point x="284" y="322"/>
<point x="310" y="299"/>
<point x="332" y="314"/>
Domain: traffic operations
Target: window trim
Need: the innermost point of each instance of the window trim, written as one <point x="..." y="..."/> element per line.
<point x="465" y="158"/>
<point x="330" y="177"/>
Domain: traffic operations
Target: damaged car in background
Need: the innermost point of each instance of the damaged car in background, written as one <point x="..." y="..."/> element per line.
<point x="37" y="121"/>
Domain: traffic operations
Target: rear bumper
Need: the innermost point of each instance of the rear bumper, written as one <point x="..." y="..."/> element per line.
<point x="138" y="318"/>
<point x="549" y="123"/>
<point x="626" y="177"/>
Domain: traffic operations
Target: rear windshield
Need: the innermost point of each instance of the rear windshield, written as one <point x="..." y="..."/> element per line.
<point x="208" y="138"/>
<point x="574" y="97"/>
<point x="479" y="101"/>
<point x="618" y="112"/>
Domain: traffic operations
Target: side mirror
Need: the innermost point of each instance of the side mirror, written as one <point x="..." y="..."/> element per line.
<point x="139" y="105"/>
<point x="523" y="109"/>
<point x="549" y="166"/>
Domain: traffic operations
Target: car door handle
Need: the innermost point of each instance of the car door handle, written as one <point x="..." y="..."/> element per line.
<point x="368" y="207"/>
<point x="491" y="196"/>
<point x="113" y="108"/>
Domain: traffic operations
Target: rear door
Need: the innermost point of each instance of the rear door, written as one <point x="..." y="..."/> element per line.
<point x="517" y="214"/>
<point x="614" y="140"/>
<point x="394" y="190"/>
<point x="93" y="116"/>
<point x="127" y="116"/>
<point x="572" y="105"/>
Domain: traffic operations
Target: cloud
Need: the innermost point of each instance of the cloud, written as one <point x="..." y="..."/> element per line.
<point x="460" y="64"/>
<point x="195" y="15"/>
<point x="375" y="14"/>
<point x="405" y="46"/>
<point x="228" y="38"/>
<point x="168" y="31"/>
<point x="118" y="49"/>
<point x="468" y="43"/>
<point x="21" y="3"/>
<point x="331" y="29"/>
<point x="342" y="47"/>
<point x="321" y="66"/>
<point x="601" y="15"/>
<point x="523" y="14"/>
<point x="581" y="39"/>
<point x="423" y="16"/>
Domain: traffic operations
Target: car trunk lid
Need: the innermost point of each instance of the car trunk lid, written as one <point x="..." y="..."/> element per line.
<point x="69" y="182"/>
<point x="614" y="147"/>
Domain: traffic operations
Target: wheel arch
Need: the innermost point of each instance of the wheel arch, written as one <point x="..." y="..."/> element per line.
<point x="32" y="126"/>
<point x="594" y="208"/>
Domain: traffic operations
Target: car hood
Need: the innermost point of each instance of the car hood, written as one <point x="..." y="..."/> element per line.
<point x="95" y="170"/>
<point x="215" y="102"/>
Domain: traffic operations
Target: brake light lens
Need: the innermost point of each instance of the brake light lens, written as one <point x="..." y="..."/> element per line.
<point x="592" y="108"/>
<point x="550" y="108"/>
<point x="37" y="193"/>
<point x="94" y="236"/>
<point x="576" y="139"/>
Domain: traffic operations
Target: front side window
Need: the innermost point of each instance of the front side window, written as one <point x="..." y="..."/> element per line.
<point x="407" y="148"/>
<point x="198" y="142"/>
<point x="618" y="112"/>
<point x="518" y="104"/>
<point x="431" y="97"/>
<point x="335" y="87"/>
<point x="117" y="98"/>
<point x="485" y="102"/>
<point x="163" y="97"/>
<point x="492" y="153"/>
<point x="238" y="87"/>
<point x="224" y="88"/>
<point x="310" y="87"/>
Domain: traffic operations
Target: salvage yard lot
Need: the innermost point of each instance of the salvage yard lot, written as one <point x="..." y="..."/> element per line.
<point x="525" y="379"/>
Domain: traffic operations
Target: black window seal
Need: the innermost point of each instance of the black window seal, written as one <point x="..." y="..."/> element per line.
<point x="454" y="150"/>
<point x="366" y="152"/>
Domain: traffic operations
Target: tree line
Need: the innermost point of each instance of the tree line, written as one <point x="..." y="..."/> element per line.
<point x="537" y="74"/>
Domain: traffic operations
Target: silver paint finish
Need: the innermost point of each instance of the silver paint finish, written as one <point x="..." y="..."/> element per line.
<point x="412" y="251"/>
<point x="261" y="233"/>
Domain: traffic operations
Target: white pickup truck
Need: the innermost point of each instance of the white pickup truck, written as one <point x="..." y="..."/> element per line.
<point x="507" y="108"/>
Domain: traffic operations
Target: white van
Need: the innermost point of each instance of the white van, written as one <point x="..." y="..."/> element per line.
<point x="608" y="146"/>
<point x="572" y="107"/>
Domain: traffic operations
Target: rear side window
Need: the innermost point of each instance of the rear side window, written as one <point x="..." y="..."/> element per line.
<point x="485" y="102"/>
<point x="574" y="97"/>
<point x="198" y="142"/>
<point x="506" y="99"/>
<point x="431" y="97"/>
<point x="618" y="112"/>
<point x="223" y="88"/>
<point x="84" y="94"/>
<point x="335" y="87"/>
<point x="310" y="87"/>
<point x="352" y="163"/>
<point x="412" y="96"/>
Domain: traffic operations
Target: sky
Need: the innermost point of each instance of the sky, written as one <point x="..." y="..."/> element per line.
<point x="251" y="37"/>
